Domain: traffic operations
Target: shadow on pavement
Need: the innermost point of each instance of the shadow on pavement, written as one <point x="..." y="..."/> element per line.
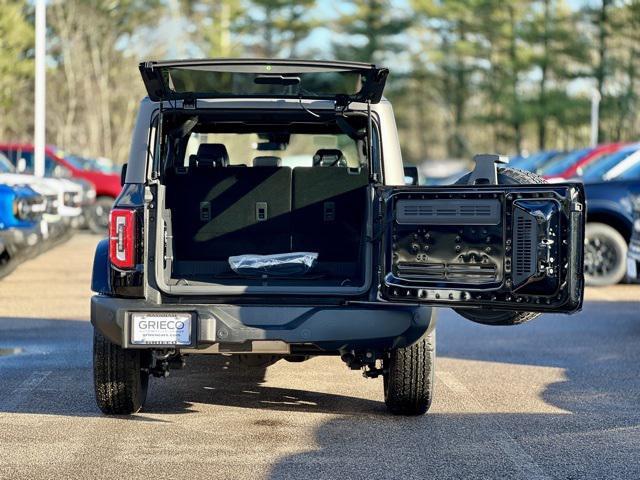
<point x="59" y="352"/>
<point x="598" y="350"/>
<point x="598" y="438"/>
<point x="222" y="381"/>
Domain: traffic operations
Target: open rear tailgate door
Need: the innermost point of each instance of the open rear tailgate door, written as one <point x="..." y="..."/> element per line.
<point x="517" y="248"/>
<point x="343" y="82"/>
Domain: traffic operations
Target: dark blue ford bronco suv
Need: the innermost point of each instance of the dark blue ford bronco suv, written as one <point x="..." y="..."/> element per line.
<point x="264" y="215"/>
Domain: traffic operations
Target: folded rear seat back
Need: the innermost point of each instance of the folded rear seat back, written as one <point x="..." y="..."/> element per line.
<point x="220" y="212"/>
<point x="328" y="216"/>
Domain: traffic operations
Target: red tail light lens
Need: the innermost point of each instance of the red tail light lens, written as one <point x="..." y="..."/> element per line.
<point x="122" y="238"/>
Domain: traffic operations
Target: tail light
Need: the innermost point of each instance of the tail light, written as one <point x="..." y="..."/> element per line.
<point x="122" y="238"/>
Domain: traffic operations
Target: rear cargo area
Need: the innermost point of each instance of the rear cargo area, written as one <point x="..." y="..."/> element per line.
<point x="215" y="211"/>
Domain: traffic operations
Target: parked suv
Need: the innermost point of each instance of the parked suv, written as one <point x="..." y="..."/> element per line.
<point x="107" y="185"/>
<point x="264" y="215"/>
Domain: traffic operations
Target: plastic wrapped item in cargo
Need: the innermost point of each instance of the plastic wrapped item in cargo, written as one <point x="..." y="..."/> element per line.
<point x="276" y="265"/>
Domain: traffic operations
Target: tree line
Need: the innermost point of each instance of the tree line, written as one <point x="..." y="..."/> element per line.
<point x="466" y="75"/>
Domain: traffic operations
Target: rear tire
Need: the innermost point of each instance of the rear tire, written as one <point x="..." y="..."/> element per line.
<point x="605" y="255"/>
<point x="506" y="176"/>
<point x="119" y="379"/>
<point x="409" y="377"/>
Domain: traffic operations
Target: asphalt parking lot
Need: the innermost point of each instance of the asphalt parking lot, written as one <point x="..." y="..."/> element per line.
<point x="555" y="398"/>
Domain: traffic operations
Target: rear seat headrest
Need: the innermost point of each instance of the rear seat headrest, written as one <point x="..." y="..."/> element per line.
<point x="267" y="161"/>
<point x="210" y="155"/>
<point x="329" y="157"/>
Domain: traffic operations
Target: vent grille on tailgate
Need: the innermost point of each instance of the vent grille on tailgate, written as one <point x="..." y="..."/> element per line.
<point x="524" y="246"/>
<point x="448" y="212"/>
<point x="447" y="271"/>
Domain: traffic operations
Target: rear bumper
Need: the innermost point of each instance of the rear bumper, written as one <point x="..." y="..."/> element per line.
<point x="234" y="328"/>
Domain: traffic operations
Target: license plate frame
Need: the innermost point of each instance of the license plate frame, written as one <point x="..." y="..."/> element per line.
<point x="171" y="329"/>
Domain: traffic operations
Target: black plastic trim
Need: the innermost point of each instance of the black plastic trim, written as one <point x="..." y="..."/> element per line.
<point x="332" y="329"/>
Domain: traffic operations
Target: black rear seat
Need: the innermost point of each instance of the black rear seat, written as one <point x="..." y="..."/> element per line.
<point x="328" y="214"/>
<point x="219" y="211"/>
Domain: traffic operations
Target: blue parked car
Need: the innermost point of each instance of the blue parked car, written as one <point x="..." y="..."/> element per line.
<point x="614" y="166"/>
<point x="608" y="229"/>
<point x="535" y="161"/>
<point x="21" y="228"/>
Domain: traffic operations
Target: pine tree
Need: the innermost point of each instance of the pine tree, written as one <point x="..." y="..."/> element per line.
<point x="559" y="55"/>
<point x="454" y="23"/>
<point x="216" y="23"/>
<point x="370" y="30"/>
<point x="275" y="28"/>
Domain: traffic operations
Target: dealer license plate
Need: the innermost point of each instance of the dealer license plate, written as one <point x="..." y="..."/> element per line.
<point x="161" y="329"/>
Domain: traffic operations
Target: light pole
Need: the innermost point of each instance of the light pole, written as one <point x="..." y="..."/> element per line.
<point x="39" y="123"/>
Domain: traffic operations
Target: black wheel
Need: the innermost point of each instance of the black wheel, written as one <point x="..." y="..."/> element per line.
<point x="119" y="379"/>
<point x="605" y="255"/>
<point x="98" y="215"/>
<point x="409" y="377"/>
<point x="506" y="176"/>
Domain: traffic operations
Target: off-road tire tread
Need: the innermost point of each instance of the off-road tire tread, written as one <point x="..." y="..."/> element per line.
<point x="410" y="377"/>
<point x="117" y="377"/>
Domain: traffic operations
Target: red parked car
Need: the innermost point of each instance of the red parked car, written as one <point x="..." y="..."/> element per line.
<point x="570" y="165"/>
<point x="107" y="185"/>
